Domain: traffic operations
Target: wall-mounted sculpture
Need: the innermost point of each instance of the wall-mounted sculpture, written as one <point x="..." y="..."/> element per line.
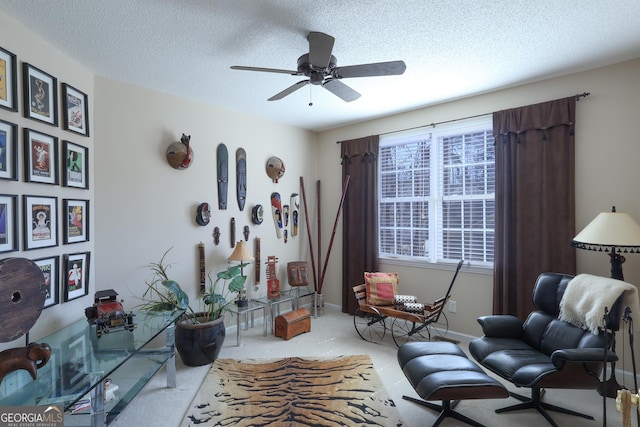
<point x="22" y="296"/>
<point x="275" y="168"/>
<point x="180" y="154"/>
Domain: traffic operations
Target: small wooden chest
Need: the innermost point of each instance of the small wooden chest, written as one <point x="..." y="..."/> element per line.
<point x="293" y="323"/>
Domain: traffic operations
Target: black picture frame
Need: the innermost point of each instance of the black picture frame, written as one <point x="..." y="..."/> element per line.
<point x="40" y="157"/>
<point x="75" y="165"/>
<point x="8" y="150"/>
<point x="76" y="222"/>
<point x="75" y="110"/>
<point x="40" y="222"/>
<point x="75" y="275"/>
<point x="40" y="95"/>
<point x="50" y="267"/>
<point x="8" y="80"/>
<point x="8" y="223"/>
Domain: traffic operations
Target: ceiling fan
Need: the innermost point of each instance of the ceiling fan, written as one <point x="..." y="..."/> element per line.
<point x="319" y="65"/>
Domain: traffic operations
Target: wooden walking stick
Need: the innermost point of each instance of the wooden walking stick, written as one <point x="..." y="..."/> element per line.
<point x="319" y="236"/>
<point x="306" y="212"/>
<point x="333" y="233"/>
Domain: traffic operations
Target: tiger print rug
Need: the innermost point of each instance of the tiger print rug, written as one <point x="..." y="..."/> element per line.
<point x="344" y="391"/>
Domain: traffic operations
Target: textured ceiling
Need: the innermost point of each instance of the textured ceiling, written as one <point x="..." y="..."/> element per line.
<point x="452" y="48"/>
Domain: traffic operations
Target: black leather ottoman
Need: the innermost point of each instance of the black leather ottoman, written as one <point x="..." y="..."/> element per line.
<point x="442" y="371"/>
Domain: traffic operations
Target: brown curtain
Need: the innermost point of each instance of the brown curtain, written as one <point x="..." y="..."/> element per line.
<point x="359" y="215"/>
<point x="535" y="200"/>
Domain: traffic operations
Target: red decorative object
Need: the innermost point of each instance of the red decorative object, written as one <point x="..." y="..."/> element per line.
<point x="273" y="284"/>
<point x="108" y="314"/>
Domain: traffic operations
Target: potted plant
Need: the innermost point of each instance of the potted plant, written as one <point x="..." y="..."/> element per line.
<point x="199" y="334"/>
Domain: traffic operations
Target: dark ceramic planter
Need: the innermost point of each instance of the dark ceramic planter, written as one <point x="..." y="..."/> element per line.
<point x="199" y="343"/>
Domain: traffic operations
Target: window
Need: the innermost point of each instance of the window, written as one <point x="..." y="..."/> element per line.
<point x="437" y="193"/>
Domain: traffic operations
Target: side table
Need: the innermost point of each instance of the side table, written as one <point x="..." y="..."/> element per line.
<point x="250" y="308"/>
<point x="273" y="305"/>
<point x="300" y="292"/>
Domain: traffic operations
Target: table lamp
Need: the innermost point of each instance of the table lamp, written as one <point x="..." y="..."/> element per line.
<point x="242" y="255"/>
<point x="615" y="233"/>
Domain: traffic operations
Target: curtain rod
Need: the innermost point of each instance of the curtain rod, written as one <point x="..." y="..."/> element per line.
<point x="578" y="96"/>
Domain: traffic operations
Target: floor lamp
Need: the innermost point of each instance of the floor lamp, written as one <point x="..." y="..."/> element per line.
<point x="615" y="233"/>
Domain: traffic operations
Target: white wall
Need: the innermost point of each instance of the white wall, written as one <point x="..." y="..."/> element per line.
<point x="144" y="206"/>
<point x="607" y="174"/>
<point x="31" y="49"/>
<point x="140" y="206"/>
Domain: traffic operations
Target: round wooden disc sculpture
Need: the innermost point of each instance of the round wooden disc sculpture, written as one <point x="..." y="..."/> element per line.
<point x="22" y="296"/>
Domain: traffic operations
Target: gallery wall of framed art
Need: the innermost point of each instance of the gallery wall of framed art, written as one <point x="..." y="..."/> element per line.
<point x="45" y="149"/>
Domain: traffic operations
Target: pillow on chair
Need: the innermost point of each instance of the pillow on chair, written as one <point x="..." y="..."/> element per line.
<point x="381" y="287"/>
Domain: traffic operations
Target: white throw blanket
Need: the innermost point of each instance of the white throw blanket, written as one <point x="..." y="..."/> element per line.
<point x="586" y="297"/>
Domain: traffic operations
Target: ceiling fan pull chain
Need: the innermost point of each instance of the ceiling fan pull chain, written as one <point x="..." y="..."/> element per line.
<point x="310" y="98"/>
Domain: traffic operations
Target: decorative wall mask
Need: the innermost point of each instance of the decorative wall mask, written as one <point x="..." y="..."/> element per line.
<point x="276" y="210"/>
<point x="275" y="168"/>
<point x="203" y="215"/>
<point x="180" y="154"/>
<point x="257" y="214"/>
<point x="222" y="168"/>
<point x="295" y="208"/>
<point x="241" y="177"/>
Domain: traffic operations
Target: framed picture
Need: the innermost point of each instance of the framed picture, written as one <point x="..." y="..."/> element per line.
<point x="75" y="110"/>
<point x="75" y="166"/>
<point x="75" y="274"/>
<point x="50" y="269"/>
<point x="40" y="95"/>
<point x="76" y="223"/>
<point x="75" y="353"/>
<point x="8" y="223"/>
<point x="8" y="150"/>
<point x="40" y="222"/>
<point x="40" y="157"/>
<point x="8" y="80"/>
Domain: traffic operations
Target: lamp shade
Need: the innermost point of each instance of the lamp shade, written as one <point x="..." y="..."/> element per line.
<point x="241" y="253"/>
<point x="610" y="230"/>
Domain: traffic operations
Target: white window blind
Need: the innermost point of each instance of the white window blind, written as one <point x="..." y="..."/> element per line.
<point x="436" y="193"/>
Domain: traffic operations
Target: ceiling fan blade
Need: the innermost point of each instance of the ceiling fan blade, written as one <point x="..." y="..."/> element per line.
<point x="289" y="90"/>
<point x="266" y="70"/>
<point x="370" y="70"/>
<point x="320" y="47"/>
<point x="341" y="90"/>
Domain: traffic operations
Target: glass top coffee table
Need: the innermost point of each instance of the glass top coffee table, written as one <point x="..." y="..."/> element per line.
<point x="85" y="369"/>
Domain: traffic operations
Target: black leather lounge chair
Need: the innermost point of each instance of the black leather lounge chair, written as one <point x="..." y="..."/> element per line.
<point x="543" y="352"/>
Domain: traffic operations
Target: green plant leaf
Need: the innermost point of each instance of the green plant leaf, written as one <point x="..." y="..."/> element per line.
<point x="214" y="299"/>
<point x="175" y="289"/>
<point x="237" y="283"/>
<point x="229" y="273"/>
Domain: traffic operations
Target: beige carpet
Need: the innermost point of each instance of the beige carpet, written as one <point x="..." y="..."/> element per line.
<point x="292" y="391"/>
